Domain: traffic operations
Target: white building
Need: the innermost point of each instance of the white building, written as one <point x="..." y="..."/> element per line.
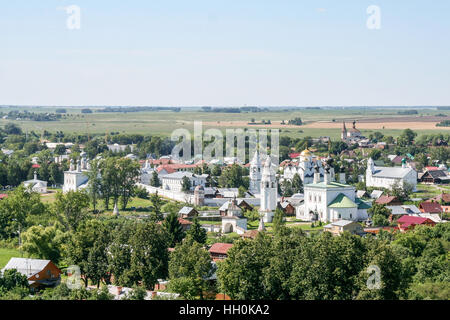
<point x="36" y="185"/>
<point x="76" y="178"/>
<point x="269" y="192"/>
<point x="331" y="201"/>
<point x="174" y="181"/>
<point x="304" y="167"/>
<point x="234" y="221"/>
<point x="351" y="135"/>
<point x="255" y="174"/>
<point x="387" y="177"/>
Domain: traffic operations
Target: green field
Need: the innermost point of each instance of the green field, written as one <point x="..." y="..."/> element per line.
<point x="164" y="122"/>
<point x="6" y="254"/>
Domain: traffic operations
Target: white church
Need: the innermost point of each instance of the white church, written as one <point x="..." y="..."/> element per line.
<point x="75" y="178"/>
<point x="303" y="166"/>
<point x="330" y="200"/>
<point x="388" y="177"/>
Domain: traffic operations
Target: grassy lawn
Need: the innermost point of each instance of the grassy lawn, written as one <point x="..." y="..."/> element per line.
<point x="6" y="254"/>
<point x="429" y="191"/>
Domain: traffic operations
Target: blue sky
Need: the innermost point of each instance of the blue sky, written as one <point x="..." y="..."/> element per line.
<point x="217" y="52"/>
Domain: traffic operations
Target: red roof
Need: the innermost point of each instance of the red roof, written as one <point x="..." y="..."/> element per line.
<point x="386" y="199"/>
<point x="407" y="221"/>
<point x="35" y="166"/>
<point x="3" y="195"/>
<point x="431" y="168"/>
<point x="430" y="207"/>
<point x="220" y="248"/>
<point x="294" y="155"/>
<point x="443" y="196"/>
<point x="184" y="221"/>
<point x="171" y="168"/>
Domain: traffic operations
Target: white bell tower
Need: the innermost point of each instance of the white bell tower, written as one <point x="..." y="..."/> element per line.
<point x="255" y="174"/>
<point x="268" y="192"/>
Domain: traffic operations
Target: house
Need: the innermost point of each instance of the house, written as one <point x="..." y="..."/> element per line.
<point x="388" y="200"/>
<point x="287" y="208"/>
<point x="409" y="222"/>
<point x="187" y="212"/>
<point x="185" y="224"/>
<point x="435" y="177"/>
<point x="174" y="181"/>
<point x="218" y="251"/>
<point x="376" y="194"/>
<point x="362" y="194"/>
<point x="40" y="273"/>
<point x="398" y="211"/>
<point x="36" y="185"/>
<point x="444" y="197"/>
<point x="341" y="226"/>
<point x="3" y="196"/>
<point x="430" y="207"/>
<point x="242" y="204"/>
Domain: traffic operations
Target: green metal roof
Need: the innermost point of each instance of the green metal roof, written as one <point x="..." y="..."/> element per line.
<point x="323" y="185"/>
<point x="362" y="204"/>
<point x="342" y="201"/>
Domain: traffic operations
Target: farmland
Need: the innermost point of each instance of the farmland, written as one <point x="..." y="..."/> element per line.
<point x="316" y="122"/>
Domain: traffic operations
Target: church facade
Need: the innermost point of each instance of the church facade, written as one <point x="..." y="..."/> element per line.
<point x="75" y="178"/>
<point x="331" y="201"/>
<point x="388" y="177"/>
<point x="303" y="166"/>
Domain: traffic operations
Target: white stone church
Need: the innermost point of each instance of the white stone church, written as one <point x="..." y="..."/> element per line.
<point x="331" y="201"/>
<point x="388" y="177"/>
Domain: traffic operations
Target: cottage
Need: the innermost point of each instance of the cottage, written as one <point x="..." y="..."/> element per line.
<point x="187" y="212"/>
<point x="409" y="222"/>
<point x="287" y="208"/>
<point x="341" y="226"/>
<point x="36" y="185"/>
<point x="430" y="207"/>
<point x="435" y="177"/>
<point x="218" y="251"/>
<point x="388" y="200"/>
<point x="40" y="273"/>
<point x="399" y="211"/>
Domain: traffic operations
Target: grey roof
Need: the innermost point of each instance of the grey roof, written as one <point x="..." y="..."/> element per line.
<point x="376" y="194"/>
<point x="360" y="193"/>
<point x="339" y="223"/>
<point x="185" y="210"/>
<point x="25" y="266"/>
<point x="404" y="209"/>
<point x="391" y="172"/>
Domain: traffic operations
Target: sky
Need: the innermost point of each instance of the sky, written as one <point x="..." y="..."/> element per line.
<point x="225" y="53"/>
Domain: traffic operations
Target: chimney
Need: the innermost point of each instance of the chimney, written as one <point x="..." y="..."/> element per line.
<point x="342" y="178"/>
<point x="326" y="177"/>
<point x="316" y="177"/>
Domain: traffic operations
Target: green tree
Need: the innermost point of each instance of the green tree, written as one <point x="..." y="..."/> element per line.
<point x="95" y="183"/>
<point x="157" y="204"/>
<point x="174" y="229"/>
<point x="71" y="208"/>
<point x="155" y="182"/>
<point x="186" y="184"/>
<point x="297" y="184"/>
<point x="44" y="242"/>
<point x="150" y="254"/>
<point x="196" y="232"/>
<point x="189" y="268"/>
